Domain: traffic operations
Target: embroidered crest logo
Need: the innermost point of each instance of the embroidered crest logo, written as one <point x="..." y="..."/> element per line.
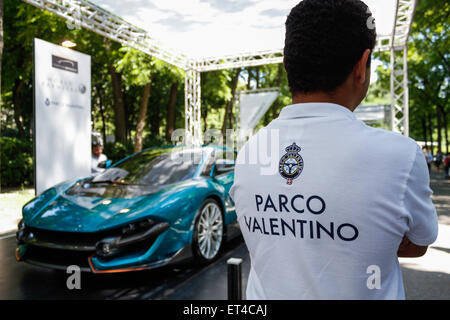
<point x="291" y="164"/>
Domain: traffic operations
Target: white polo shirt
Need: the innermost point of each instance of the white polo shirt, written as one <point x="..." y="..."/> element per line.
<point x="323" y="202"/>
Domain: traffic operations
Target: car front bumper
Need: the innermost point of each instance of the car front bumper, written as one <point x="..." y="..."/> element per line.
<point x="59" y="250"/>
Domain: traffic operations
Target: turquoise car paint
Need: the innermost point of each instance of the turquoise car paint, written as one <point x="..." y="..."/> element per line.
<point x="226" y="180"/>
<point x="178" y="204"/>
<point x="35" y="205"/>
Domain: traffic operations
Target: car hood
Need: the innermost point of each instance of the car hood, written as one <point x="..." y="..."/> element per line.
<point x="75" y="213"/>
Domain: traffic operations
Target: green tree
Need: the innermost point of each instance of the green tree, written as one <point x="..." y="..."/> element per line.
<point x="1" y="43"/>
<point x="428" y="73"/>
<point x="138" y="70"/>
<point x="22" y="23"/>
<point x="429" y="68"/>
<point x="214" y="96"/>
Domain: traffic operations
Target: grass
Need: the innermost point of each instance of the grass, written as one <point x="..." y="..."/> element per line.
<point x="11" y="203"/>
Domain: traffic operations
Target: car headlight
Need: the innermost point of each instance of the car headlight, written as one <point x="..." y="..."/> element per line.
<point x="21" y="225"/>
<point x="131" y="233"/>
<point x="21" y="232"/>
<point x="137" y="226"/>
<point x="106" y="247"/>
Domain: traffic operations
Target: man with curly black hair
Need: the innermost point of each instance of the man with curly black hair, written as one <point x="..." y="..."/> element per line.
<point x="328" y="51"/>
<point x="344" y="200"/>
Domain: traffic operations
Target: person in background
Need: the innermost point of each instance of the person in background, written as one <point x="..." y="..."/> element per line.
<point x="428" y="157"/>
<point x="98" y="158"/>
<point x="447" y="166"/>
<point x="438" y="160"/>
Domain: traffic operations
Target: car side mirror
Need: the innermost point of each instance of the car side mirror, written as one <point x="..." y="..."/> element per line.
<point x="224" y="165"/>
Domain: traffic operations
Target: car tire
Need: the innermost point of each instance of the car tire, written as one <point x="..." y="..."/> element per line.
<point x="208" y="232"/>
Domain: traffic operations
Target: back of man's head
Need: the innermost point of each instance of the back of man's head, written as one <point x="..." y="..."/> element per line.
<point x="324" y="41"/>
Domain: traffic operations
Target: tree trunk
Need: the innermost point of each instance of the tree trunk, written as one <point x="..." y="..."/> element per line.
<point x="430" y="128"/>
<point x="17" y="109"/>
<point x="102" y="113"/>
<point x="444" y="118"/>
<point x="249" y="79"/>
<point x="229" y="106"/>
<point x="443" y="115"/>
<point x="119" y="109"/>
<point x="439" y="128"/>
<point x="1" y="46"/>
<point x="205" y="118"/>
<point x="138" y="142"/>
<point x="257" y="77"/>
<point x="126" y="114"/>
<point x="18" y="84"/>
<point x="424" y="132"/>
<point x="171" y="111"/>
<point x="276" y="105"/>
<point x="155" y="120"/>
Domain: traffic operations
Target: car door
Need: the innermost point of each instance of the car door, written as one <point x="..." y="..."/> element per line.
<point x="223" y="173"/>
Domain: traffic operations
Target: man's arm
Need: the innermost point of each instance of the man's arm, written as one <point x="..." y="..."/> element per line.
<point x="407" y="249"/>
<point x="422" y="217"/>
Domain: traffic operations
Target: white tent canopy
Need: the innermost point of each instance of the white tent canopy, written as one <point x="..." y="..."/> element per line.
<point x="214" y="28"/>
<point x="204" y="35"/>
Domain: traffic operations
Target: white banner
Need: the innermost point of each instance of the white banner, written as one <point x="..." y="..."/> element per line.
<point x="372" y="113"/>
<point x="253" y="106"/>
<point x="62" y="114"/>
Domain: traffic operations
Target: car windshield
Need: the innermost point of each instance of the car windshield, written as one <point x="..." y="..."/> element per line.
<point x="154" y="167"/>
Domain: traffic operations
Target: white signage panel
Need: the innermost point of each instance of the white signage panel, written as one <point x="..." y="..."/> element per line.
<point x="253" y="106"/>
<point x="370" y="113"/>
<point x="62" y="114"/>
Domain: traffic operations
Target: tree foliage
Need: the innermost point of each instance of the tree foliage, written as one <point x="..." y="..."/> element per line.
<point x="428" y="74"/>
<point x="138" y="100"/>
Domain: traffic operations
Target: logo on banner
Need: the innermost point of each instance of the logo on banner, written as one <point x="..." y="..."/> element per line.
<point x="82" y="88"/>
<point x="291" y="164"/>
<point x="64" y="64"/>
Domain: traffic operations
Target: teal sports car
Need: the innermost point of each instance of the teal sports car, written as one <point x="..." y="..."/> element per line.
<point x="155" y="207"/>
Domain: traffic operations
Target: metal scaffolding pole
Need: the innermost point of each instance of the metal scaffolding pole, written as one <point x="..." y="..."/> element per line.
<point x="399" y="91"/>
<point x="84" y="14"/>
<point x="192" y="93"/>
<point x="404" y="14"/>
<point x="249" y="59"/>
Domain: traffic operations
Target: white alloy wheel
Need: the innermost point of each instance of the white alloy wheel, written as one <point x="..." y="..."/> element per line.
<point x="209" y="230"/>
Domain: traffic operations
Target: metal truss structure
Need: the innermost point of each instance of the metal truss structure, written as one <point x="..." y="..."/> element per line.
<point x="82" y="13"/>
<point x="399" y="91"/>
<point x="249" y="59"/>
<point x="192" y="96"/>
<point x="404" y="14"/>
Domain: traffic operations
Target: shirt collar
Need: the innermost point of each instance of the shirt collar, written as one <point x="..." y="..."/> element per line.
<point x="316" y="109"/>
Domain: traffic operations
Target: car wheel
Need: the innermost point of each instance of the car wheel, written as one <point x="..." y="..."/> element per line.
<point x="208" y="231"/>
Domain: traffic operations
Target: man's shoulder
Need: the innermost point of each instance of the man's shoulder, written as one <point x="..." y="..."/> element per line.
<point x="390" y="141"/>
